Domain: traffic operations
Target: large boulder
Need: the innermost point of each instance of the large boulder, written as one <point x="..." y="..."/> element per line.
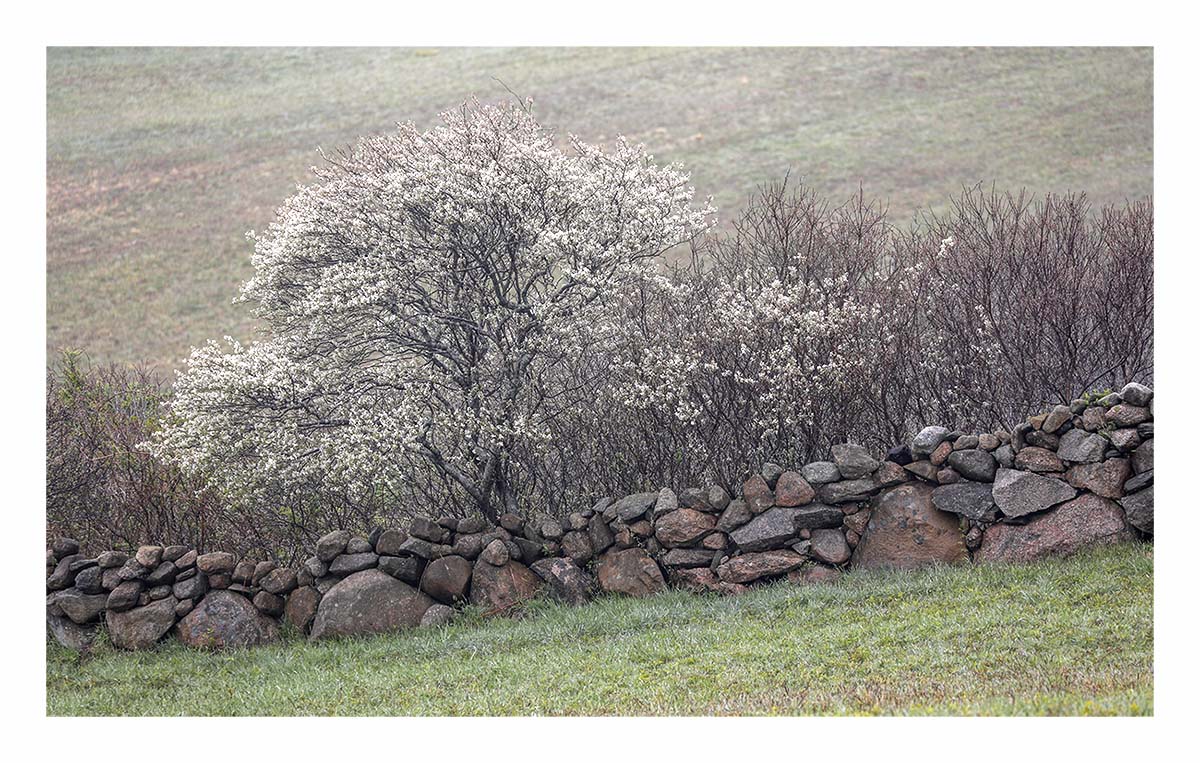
<point x="750" y="567"/>
<point x="446" y="579"/>
<point x="848" y="491"/>
<point x="631" y="572"/>
<point x="141" y="627"/>
<point x="906" y="530"/>
<point x="972" y="500"/>
<point x="1086" y="521"/>
<point x="1018" y="493"/>
<point x="498" y="588"/>
<point x="225" y="620"/>
<point x="567" y="582"/>
<point x="370" y="601"/>
<point x="683" y="527"/>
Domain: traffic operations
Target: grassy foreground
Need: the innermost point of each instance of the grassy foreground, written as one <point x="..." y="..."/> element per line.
<point x="1070" y="637"/>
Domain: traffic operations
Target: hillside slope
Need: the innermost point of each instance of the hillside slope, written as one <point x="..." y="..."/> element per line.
<point x="159" y="160"/>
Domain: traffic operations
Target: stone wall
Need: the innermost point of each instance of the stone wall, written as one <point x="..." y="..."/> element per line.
<point x="1075" y="476"/>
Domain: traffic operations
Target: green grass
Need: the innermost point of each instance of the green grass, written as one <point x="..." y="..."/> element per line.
<point x="159" y="160"/>
<point x="1060" y="637"/>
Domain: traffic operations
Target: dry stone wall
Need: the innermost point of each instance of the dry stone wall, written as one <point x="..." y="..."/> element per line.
<point x="1076" y="476"/>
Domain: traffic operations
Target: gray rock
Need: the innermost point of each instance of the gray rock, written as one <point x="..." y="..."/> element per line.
<point x="192" y="588"/>
<point x="820" y="472"/>
<point x="974" y="464"/>
<point x="124" y="596"/>
<point x="972" y="500"/>
<point x="111" y="559"/>
<point x="279" y="581"/>
<point x="331" y="544"/>
<point x="447" y="579"/>
<point x="406" y="568"/>
<point x="1142" y="459"/>
<point x="1137" y="394"/>
<point x="1018" y="493"/>
<point x="90" y="580"/>
<point x="1004" y="455"/>
<point x="736" y="514"/>
<point x="496" y="553"/>
<point x="634" y="507"/>
<point x="64" y="547"/>
<point x="776" y="527"/>
<point x="141" y="627"/>
<point x="1056" y="419"/>
<point x="1145" y="479"/>
<point x="1139" y="509"/>
<point x="770" y="472"/>
<point x="1081" y="446"/>
<point x="848" y="491"/>
<point x="71" y="634"/>
<point x="347" y="564"/>
<point x="666" y="503"/>
<point x="928" y="439"/>
<point x="853" y="461"/>
<point x="81" y="607"/>
<point x="688" y="557"/>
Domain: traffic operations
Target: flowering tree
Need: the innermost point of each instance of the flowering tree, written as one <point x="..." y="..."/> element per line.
<point x="430" y="303"/>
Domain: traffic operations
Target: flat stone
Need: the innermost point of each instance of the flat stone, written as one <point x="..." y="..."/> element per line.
<point x="972" y="500"/>
<point x="634" y="507"/>
<point x="1033" y="459"/>
<point x="1018" y="493"/>
<point x="974" y="464"/>
<point x="754" y="566"/>
<point x="848" y="491"/>
<point x="820" y="472"/>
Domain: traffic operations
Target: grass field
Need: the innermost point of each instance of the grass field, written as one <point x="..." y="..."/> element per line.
<point x="159" y="160"/>
<point x="1061" y="637"/>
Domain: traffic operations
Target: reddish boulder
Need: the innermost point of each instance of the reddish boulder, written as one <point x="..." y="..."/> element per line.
<point x="631" y="572"/>
<point x="1088" y="520"/>
<point x="829" y="546"/>
<point x="793" y="490"/>
<point x="683" y="527"/>
<point x="757" y="494"/>
<point x="1106" y="478"/>
<point x="301" y="608"/>
<point x="907" y="531"/>
<point x="750" y="567"/>
<point x="446" y="579"/>
<point x="370" y="601"/>
<point x="500" y="588"/>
